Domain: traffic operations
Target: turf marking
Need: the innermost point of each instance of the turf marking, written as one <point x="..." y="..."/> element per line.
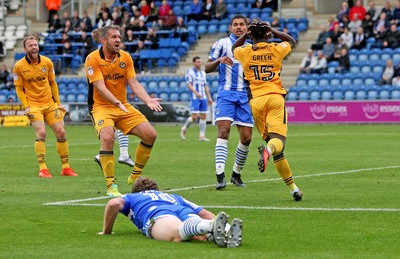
<point x="79" y="202"/>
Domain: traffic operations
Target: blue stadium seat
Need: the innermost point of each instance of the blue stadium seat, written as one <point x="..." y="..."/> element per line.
<point x="315" y="95"/>
<point x="384" y="94"/>
<point x="304" y="95"/>
<point x="372" y="95"/>
<point x="71" y="98"/>
<point x="164" y="96"/>
<point x="395" y="94"/>
<point x="81" y="98"/>
<point x="184" y="97"/>
<point x="361" y="94"/>
<point x="326" y="95"/>
<point x="349" y="95"/>
<point x="337" y="94"/>
<point x="292" y="96"/>
<point x="369" y="81"/>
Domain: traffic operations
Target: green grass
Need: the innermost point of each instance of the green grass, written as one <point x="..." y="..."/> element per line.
<point x="338" y="167"/>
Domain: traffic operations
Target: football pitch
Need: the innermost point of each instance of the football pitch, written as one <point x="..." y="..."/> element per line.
<point x="349" y="174"/>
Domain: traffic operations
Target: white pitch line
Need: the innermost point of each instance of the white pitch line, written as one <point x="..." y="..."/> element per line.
<point x="252" y="208"/>
<point x="77" y="202"/>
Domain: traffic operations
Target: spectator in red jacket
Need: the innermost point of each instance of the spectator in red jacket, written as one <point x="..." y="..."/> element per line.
<point x="357" y="9"/>
<point x="164" y="8"/>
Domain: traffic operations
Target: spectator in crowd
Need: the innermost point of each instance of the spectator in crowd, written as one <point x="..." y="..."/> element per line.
<point x="125" y="20"/>
<point x="380" y="37"/>
<point x="388" y="10"/>
<point x="144" y="9"/>
<point x="360" y="40"/>
<point x="308" y="62"/>
<point x="344" y="61"/>
<point x="75" y="21"/>
<point x="86" y="19"/>
<point x="328" y="48"/>
<point x="355" y="24"/>
<point x="208" y="10"/>
<point x="348" y="37"/>
<point x="64" y="19"/>
<point x="372" y="10"/>
<point x="181" y="29"/>
<point x="103" y="8"/>
<point x="321" y="64"/>
<point x="381" y="22"/>
<point x="142" y="28"/>
<point x="388" y="73"/>
<point x="276" y="24"/>
<point x="153" y="38"/>
<point x="67" y="28"/>
<point x="261" y="4"/>
<point x="115" y="18"/>
<point x="53" y="6"/>
<point x="357" y="9"/>
<point x="344" y="23"/>
<point x="87" y="45"/>
<point x="67" y="50"/>
<point x="335" y="34"/>
<point x="153" y="16"/>
<point x="220" y="10"/>
<point x="392" y="39"/>
<point x="105" y="20"/>
<point x="396" y="13"/>
<point x="55" y="24"/>
<point x="344" y="11"/>
<point x="368" y="26"/>
<point x="321" y="38"/>
<point x="396" y="76"/>
<point x="129" y="37"/>
<point x="10" y="99"/>
<point x="169" y="21"/>
<point x="332" y="23"/>
<point x="195" y="12"/>
<point x="164" y="9"/>
<point x="4" y="77"/>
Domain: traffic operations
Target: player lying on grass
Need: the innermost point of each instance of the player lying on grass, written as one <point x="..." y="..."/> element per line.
<point x="170" y="217"/>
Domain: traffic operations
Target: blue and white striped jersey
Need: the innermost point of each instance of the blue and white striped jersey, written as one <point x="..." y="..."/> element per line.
<point x="230" y="77"/>
<point x="140" y="207"/>
<point x="198" y="80"/>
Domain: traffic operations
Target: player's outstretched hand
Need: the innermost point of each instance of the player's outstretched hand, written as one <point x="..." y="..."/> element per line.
<point x="154" y="104"/>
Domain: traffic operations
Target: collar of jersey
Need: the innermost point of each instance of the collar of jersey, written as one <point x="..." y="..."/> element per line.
<point x="102" y="56"/>
<point x="30" y="62"/>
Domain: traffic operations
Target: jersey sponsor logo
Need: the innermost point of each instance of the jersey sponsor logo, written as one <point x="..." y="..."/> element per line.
<point x="44" y="69"/>
<point x="116" y="76"/>
<point x="90" y="71"/>
<point x="101" y="122"/>
<point x="122" y="65"/>
<point x="36" y="79"/>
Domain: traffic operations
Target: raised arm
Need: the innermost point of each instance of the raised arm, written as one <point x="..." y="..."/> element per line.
<point x="284" y="36"/>
<point x="211" y="65"/>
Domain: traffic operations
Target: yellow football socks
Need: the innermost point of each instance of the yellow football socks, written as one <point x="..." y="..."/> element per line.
<point x="107" y="163"/>
<point x="62" y="150"/>
<point x="40" y="150"/>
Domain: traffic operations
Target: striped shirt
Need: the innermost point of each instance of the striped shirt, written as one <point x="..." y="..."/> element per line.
<point x="230" y="77"/>
<point x="197" y="78"/>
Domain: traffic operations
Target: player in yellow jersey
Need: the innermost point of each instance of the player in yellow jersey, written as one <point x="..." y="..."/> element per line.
<point x="262" y="65"/>
<point x="108" y="70"/>
<point x="36" y="87"/>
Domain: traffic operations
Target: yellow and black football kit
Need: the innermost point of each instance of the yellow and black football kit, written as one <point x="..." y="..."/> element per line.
<point x="262" y="65"/>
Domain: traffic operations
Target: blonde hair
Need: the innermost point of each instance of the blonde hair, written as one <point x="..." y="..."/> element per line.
<point x="28" y="38"/>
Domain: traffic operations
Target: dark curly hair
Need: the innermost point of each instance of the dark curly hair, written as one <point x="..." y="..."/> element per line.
<point x="259" y="29"/>
<point x="144" y="184"/>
